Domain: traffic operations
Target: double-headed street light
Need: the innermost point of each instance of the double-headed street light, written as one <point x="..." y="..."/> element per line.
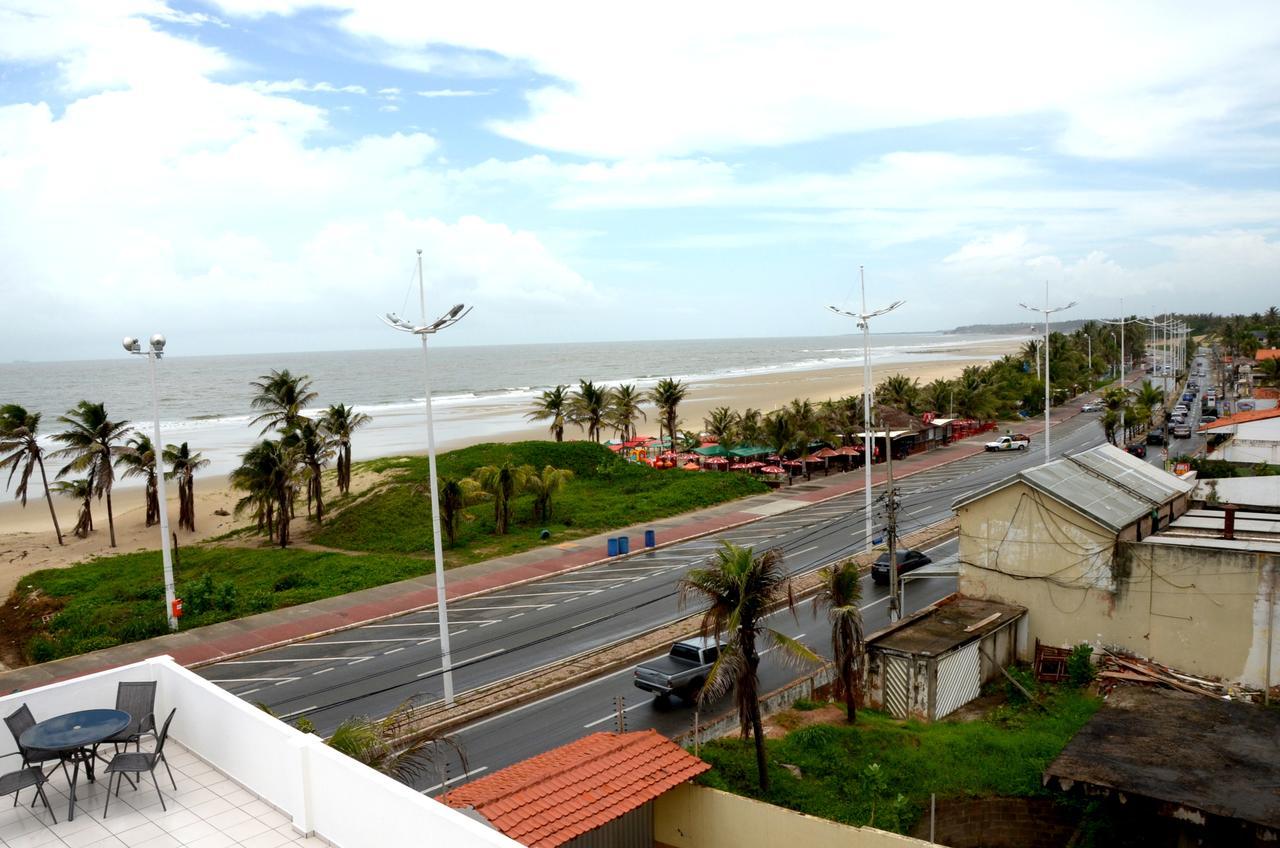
<point x="424" y="330"/>
<point x="1047" y="311"/>
<point x="864" y="323"/>
<point x="154" y="351"/>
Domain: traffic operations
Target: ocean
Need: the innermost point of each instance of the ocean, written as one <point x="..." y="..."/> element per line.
<point x="478" y="391"/>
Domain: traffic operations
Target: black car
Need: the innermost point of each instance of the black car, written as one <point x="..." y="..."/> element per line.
<point x="907" y="560"/>
<point x="1156" y="436"/>
<point x="1138" y="449"/>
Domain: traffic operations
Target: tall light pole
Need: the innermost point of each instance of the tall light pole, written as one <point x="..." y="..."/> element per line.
<point x="1121" y="322"/>
<point x="154" y="351"/>
<point x="864" y="323"/>
<point x="424" y="330"/>
<point x="1047" y="312"/>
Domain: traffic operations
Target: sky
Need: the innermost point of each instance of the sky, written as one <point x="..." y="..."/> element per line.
<point x="256" y="175"/>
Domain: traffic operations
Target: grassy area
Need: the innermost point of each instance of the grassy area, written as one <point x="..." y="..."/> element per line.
<point x="882" y="770"/>
<point x="111" y="600"/>
<point x="606" y="492"/>
<point x="379" y="537"/>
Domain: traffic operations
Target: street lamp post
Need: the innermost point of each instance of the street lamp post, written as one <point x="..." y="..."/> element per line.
<point x="154" y="351"/>
<point x="423" y="330"/>
<point x="1047" y="311"/>
<point x="864" y="323"/>
<point x="1120" y="379"/>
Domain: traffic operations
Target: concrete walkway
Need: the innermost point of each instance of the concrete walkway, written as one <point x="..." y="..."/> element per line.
<point x="227" y="639"/>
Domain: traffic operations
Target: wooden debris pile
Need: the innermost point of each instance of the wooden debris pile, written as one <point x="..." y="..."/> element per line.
<point x="1116" y="668"/>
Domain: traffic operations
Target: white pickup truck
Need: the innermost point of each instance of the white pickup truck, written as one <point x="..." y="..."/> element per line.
<point x="1009" y="443"/>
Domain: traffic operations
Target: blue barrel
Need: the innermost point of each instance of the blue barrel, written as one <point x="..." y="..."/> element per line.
<point x="624" y="544"/>
<point x="650" y="538"/>
<point x="613" y="547"/>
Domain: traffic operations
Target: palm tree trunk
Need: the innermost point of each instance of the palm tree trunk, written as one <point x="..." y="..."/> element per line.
<point x="757" y="730"/>
<point x="111" y="519"/>
<point x="48" y="497"/>
<point x="319" y="493"/>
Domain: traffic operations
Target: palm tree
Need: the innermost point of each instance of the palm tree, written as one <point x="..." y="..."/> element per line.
<point x="376" y="743"/>
<point x="667" y="395"/>
<point x="315" y="448"/>
<point x="1269" y="370"/>
<point x="938" y="397"/>
<point x="268" y="475"/>
<point x="1271" y="316"/>
<point x="779" y="433"/>
<point x="721" y="425"/>
<point x="281" y="397"/>
<point x="545" y="485"/>
<point x="90" y="440"/>
<point x="184" y="466"/>
<point x="900" y="392"/>
<point x="750" y="426"/>
<point x="456" y="494"/>
<point x="1033" y="352"/>
<point x="624" y="408"/>
<point x="138" y="459"/>
<point x="806" y="422"/>
<point x="552" y="405"/>
<point x="1116" y="401"/>
<point x="503" y="482"/>
<point x="588" y="408"/>
<point x="20" y="449"/>
<point x="974" y="397"/>
<point x="80" y="489"/>
<point x="1149" y="396"/>
<point x="740" y="588"/>
<point x="840" y="595"/>
<point x="340" y="421"/>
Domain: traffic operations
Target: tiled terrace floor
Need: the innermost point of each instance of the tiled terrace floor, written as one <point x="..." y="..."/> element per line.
<point x="209" y="810"/>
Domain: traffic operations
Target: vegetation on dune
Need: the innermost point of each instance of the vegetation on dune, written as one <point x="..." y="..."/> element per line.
<point x="881" y="771"/>
<point x="603" y="492"/>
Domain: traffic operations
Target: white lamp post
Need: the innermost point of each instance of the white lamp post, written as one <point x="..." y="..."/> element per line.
<point x="154" y="351"/>
<point x="864" y="322"/>
<point x="424" y="330"/>
<point x="1121" y="323"/>
<point x="1047" y="312"/>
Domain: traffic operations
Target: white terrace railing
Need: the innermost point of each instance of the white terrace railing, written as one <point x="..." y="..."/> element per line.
<point x="322" y="791"/>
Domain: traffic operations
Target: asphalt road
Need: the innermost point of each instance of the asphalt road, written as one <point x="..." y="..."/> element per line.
<point x="1157" y="455"/>
<point x="369" y="670"/>
<point x="520" y="733"/>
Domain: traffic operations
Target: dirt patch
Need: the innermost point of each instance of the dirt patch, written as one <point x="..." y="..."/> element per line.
<point x="780" y="724"/>
<point x="979" y="707"/>
<point x="22" y="617"/>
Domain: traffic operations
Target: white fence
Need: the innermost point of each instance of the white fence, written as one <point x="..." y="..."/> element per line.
<point x="323" y="791"/>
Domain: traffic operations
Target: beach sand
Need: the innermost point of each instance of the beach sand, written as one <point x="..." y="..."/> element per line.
<point x="27" y="541"/>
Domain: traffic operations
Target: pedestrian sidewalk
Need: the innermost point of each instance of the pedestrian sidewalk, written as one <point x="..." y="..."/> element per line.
<point x="228" y="639"/>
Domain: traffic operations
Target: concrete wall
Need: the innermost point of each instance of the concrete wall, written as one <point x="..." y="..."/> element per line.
<point x="697" y="817"/>
<point x="1198" y="609"/>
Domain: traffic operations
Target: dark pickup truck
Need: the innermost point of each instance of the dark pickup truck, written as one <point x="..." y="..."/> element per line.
<point x="681" y="672"/>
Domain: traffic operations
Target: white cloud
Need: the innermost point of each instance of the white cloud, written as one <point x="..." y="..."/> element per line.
<point x="453" y="92"/>
<point x="290" y="86"/>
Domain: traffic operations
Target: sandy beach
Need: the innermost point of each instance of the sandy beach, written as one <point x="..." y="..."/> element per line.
<point x="27" y="541"/>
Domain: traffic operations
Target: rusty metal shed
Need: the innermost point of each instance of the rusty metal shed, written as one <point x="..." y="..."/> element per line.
<point x="935" y="661"/>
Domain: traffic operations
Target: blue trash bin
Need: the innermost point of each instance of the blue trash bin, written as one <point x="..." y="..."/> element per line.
<point x="650" y="538"/>
<point x="613" y="547"/>
<point x="624" y="544"/>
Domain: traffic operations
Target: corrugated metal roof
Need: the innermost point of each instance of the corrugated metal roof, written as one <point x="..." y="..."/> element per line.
<point x="1104" y="483"/>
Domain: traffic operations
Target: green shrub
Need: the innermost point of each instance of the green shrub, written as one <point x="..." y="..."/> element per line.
<point x="94" y="643"/>
<point x="1028" y="681"/>
<point x="805" y="705"/>
<point x="1080" y="670"/>
<point x="143" y="626"/>
<point x="292" y="580"/>
<point x="41" y="649"/>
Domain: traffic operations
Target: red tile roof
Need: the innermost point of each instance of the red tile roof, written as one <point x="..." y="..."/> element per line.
<point x="552" y="798"/>
<point x="1264" y="353"/>
<point x="1241" y="418"/>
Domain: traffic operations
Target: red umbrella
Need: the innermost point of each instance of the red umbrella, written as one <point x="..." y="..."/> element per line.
<point x="850" y="450"/>
<point x="738" y="466"/>
<point x="715" y="460"/>
<point x="691" y="466"/>
<point x="773" y="457"/>
<point x="812" y="458"/>
<point x="772" y="469"/>
<point x="793" y="462"/>
<point x="667" y="455"/>
<point x="753" y="464"/>
<point x="825" y="453"/>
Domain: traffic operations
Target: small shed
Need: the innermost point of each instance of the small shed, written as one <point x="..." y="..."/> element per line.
<point x="935" y="661"/>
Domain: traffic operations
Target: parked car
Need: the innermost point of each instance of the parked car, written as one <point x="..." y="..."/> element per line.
<point x="682" y="672"/>
<point x="1008" y="443"/>
<point x="907" y="561"/>
<point x="1182" y="431"/>
<point x="1138" y="449"/>
<point x="1155" y="436"/>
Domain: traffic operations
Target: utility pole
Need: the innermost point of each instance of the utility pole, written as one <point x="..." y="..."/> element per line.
<point x="891" y="531"/>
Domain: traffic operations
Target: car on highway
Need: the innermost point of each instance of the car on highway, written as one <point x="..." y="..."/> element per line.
<point x="1155" y="436"/>
<point x="682" y="672"/>
<point x="907" y="561"/>
<point x="1137" y="449"/>
<point x="1009" y="443"/>
<point x="1092" y="406"/>
<point x="1182" y="431"/>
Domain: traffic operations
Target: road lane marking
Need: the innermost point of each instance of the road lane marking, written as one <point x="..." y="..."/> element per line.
<point x="470" y="774"/>
<point x="284" y="660"/>
<point x="466" y="662"/>
<point x="575" y="582"/>
<point x="248" y="692"/>
<point x="322" y="671"/>
<point x="252" y="680"/>
<point x="803" y="551"/>
<point x="352" y="642"/>
<point x="543" y="594"/>
<point x="392" y="651"/>
<point x="509" y="607"/>
<point x="362" y="659"/>
<point x="482" y="622"/>
<point x="297" y="712"/>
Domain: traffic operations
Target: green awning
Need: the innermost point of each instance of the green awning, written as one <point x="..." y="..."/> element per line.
<point x="749" y="451"/>
<point x="712" y="450"/>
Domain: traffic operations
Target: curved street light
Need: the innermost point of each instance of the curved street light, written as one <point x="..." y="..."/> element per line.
<point x="423" y="331"/>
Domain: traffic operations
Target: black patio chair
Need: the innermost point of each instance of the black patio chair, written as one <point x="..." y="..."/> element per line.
<point x="16" y="781"/>
<point x="18" y="722"/>
<point x="138" y="699"/>
<point x="139" y="762"/>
